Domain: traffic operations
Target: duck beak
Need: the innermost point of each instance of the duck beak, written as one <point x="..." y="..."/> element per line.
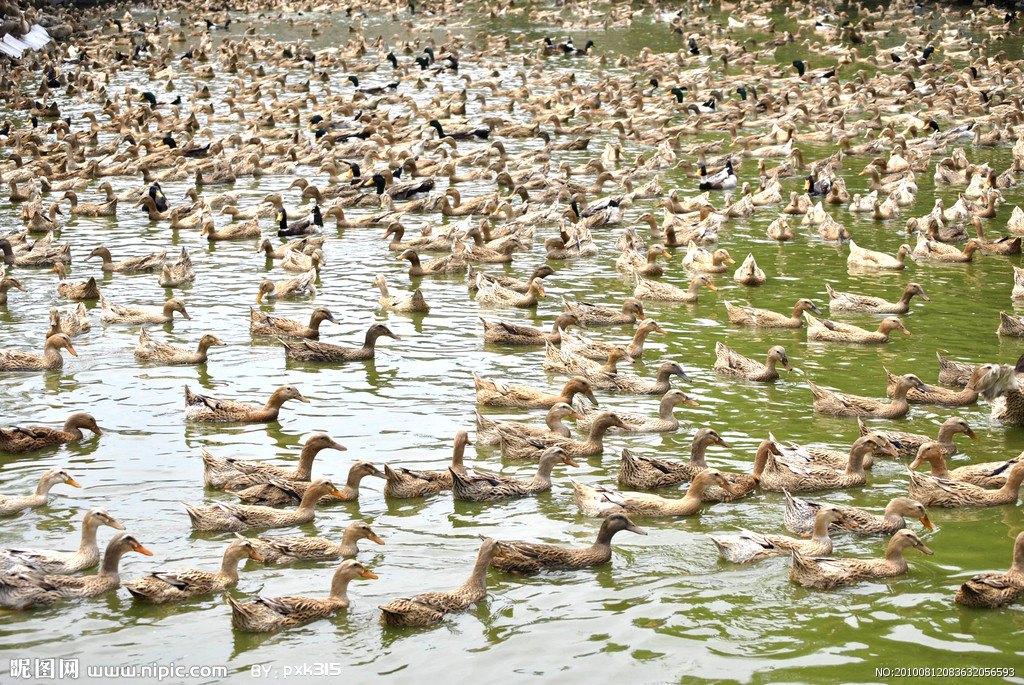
<point x="904" y="331"/>
<point x="666" y="254"/>
<point x="142" y="550"/>
<point x="569" y="462"/>
<point x="339" y="494"/>
<point x="914" y="464"/>
<point x="972" y="435"/>
<point x="633" y="528"/>
<point x="891" y="450"/>
<point x="374" y="538"/>
<point x="713" y="287"/>
<point x="730" y="260"/>
<point x="302" y="399"/>
<point x="786" y="366"/>
<point x="849" y="522"/>
<point x="259" y="297"/>
<point x="691" y="403"/>
<point x="659" y="329"/>
<point x="542" y="292"/>
<point x="924" y="548"/>
<point x="925" y="297"/>
<point x="722" y="443"/>
<point x="71" y="350"/>
<point x="926" y="522"/>
<point x="369" y="574"/>
<point x="255" y="556"/>
<point x="338" y="446"/>
<point x="73" y="483"/>
<point x="593" y="400"/>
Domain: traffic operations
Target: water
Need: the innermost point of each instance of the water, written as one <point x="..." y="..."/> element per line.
<point x="666" y="608"/>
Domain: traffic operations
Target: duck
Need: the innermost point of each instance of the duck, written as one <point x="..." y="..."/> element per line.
<point x="151" y="350"/>
<point x="116" y="313"/>
<point x="725" y="179"/>
<point x="13" y="360"/>
<point x="775" y="474"/>
<point x="602" y="500"/>
<point x="850" y="302"/>
<point x="250" y="230"/>
<point x="699" y="260"/>
<point x="413" y="303"/>
<point x="266" y="489"/>
<point x="637" y="385"/>
<point x="454" y="263"/>
<point x="503" y="395"/>
<point x="303" y="349"/>
<point x="995" y="590"/>
<point x="19" y="440"/>
<point x="826" y="330"/>
<point x="940" y="492"/>
<point x="596" y="315"/>
<point x="47" y="562"/>
<point x="825" y="573"/>
<point x="234" y="517"/>
<point x="72" y="323"/>
<point x="37" y="256"/>
<point x="507" y="333"/>
<point x="1010" y="325"/>
<point x="270" y="614"/>
<point x="108" y="208"/>
<point x="666" y="292"/>
<point x="981" y="377"/>
<point x="748" y="546"/>
<point x="750" y="273"/>
<point x="135" y="265"/>
<point x="944" y="253"/>
<point x="590" y="349"/>
<point x="489" y="431"/>
<point x="524" y="558"/>
<point x="870" y="259"/>
<point x="765" y="318"/>
<point x="265" y="324"/>
<point x="179" y="273"/>
<point x="648" y="473"/>
<point x="665" y="422"/>
<point x="490" y="292"/>
<point x="488" y="487"/>
<point x="780" y="230"/>
<point x="801" y="513"/>
<point x="281" y="549"/>
<point x="633" y="262"/>
<point x="6" y="283"/>
<point x="213" y="410"/>
<point x="24" y="591"/>
<point x="220" y="472"/>
<point x="730" y="363"/>
<point x="841" y="404"/>
<point x="287" y="288"/>
<point x="516" y="284"/>
<point x="519" y="446"/>
<point x="1006" y="245"/>
<point x="407" y="483"/>
<point x="431" y="607"/>
<point x="991" y="474"/>
<point x="907" y="444"/>
<point x="83" y="290"/>
<point x="177" y="585"/>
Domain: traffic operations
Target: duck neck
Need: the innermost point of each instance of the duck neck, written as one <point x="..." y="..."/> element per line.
<point x="1013" y="481"/>
<point x="370" y="341"/>
<point x="305" y="468"/>
<point x="458" y="452"/>
<point x="383" y="287"/>
<point x="697" y="449"/>
<point x="229" y="563"/>
<point x="88" y="544"/>
<point x="544" y="469"/>
<point x="604" y="537"/>
<point x="274" y="404"/>
<point x="72" y="430"/>
<point x="894" y="553"/>
<point x="797" y="314"/>
<point x="820" y="532"/>
<point x="309" y="499"/>
<point x="1017" y="567"/>
<point x="111" y="562"/>
<point x="555" y="425"/>
<point x="855" y="462"/>
<point x="770" y="364"/>
<point x="43" y="489"/>
<point x="905" y="298"/>
<point x="694" y="285"/>
<point x="666" y="413"/>
<point x="761" y="458"/>
<point x="939" y="469"/>
<point x="339" y="588"/>
<point x="315" y="320"/>
<point x="597" y="432"/>
<point x="477" y="581"/>
<point x="108" y="260"/>
<point x="610" y="366"/>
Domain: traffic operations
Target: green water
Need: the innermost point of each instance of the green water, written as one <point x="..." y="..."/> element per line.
<point x="666" y="609"/>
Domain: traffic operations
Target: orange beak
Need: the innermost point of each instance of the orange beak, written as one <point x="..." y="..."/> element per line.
<point x="73" y="483"/>
<point x="254" y="555"/>
<point x="691" y="403"/>
<point x="659" y="329"/>
<point x="712" y="286"/>
<point x="542" y="292"/>
<point x="142" y="550"/>
<point x="339" y="494"/>
<point x="569" y="462"/>
<point x="926" y="522"/>
<point x="71" y="350"/>
<point x="369" y="574"/>
<point x="376" y="539"/>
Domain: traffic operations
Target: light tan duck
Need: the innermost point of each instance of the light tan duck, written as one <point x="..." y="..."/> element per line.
<point x="994" y="590"/>
<point x="641" y="423"/>
<point x="516" y="446"/>
<point x="850" y="302"/>
<point x="226" y="517"/>
<point x="413" y="303"/>
<point x="825" y="573"/>
<point x="825" y="330"/>
<point x="596" y="315"/>
<point x="503" y="395"/>
<point x="41" y="254"/>
<point x="533" y="557"/>
<point x="801" y="513"/>
<point x="489" y="431"/>
<point x="72" y="323"/>
<point x="870" y="259"/>
<point x="590" y="349"/>
<point x="799" y="455"/>
<point x="82" y="290"/>
<point x="765" y="318"/>
<point x="265" y="324"/>
<point x="280" y="549"/>
<point x="1006" y="245"/>
<point x="46" y="561"/>
<point x="490" y="292"/>
<point x="632" y="261"/>
<point x="731" y="363"/>
<point x="23" y="591"/>
<point x="636" y="385"/>
<point x="307" y="245"/>
<point x="773" y="473"/>
<point x="28" y="439"/>
<point x="303" y="349"/>
<point x="748" y="546"/>
<point x="602" y="500"/>
<point x="648" y="473"/>
<point x="271" y="490"/>
<point x="179" y="273"/>
<point x="250" y="230"/>
<point x="907" y="444"/>
<point x="221" y="472"/>
<point x="666" y="292"/>
<point x="980" y="378"/>
<point x="940" y="492"/>
<point x="301" y="262"/>
<point x="488" y="487"/>
<point x="431" y="607"/>
<point x="406" y="483"/>
<point x="144" y="264"/>
<point x="177" y="585"/>
<point x="213" y="410"/>
<point x="991" y="474"/>
<point x="108" y="208"/>
<point x="516" y="284"/>
<point x="287" y="288"/>
<point x="700" y="260"/>
<point x="115" y="313"/>
<point x="750" y="273"/>
<point x="151" y="350"/>
<point x="6" y="283"/>
<point x="13" y="360"/>
<point x="268" y="614"/>
<point x="841" y="404"/>
<point x="454" y="263"/>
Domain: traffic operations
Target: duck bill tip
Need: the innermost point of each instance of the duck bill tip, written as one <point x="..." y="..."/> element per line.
<point x="117" y="525"/>
<point x="369" y="575"/>
<point x="255" y="556"/>
<point x="691" y="403"/>
<point x="339" y="494"/>
<point x="927" y="523"/>
<point x="73" y="483"/>
<point x="374" y="538"/>
<point x="712" y="287"/>
<point x="142" y="550"/>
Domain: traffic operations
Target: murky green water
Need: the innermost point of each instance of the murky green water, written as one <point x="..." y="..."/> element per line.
<point x="666" y="609"/>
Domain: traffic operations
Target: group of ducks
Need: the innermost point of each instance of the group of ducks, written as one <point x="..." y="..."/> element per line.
<point x="402" y="159"/>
